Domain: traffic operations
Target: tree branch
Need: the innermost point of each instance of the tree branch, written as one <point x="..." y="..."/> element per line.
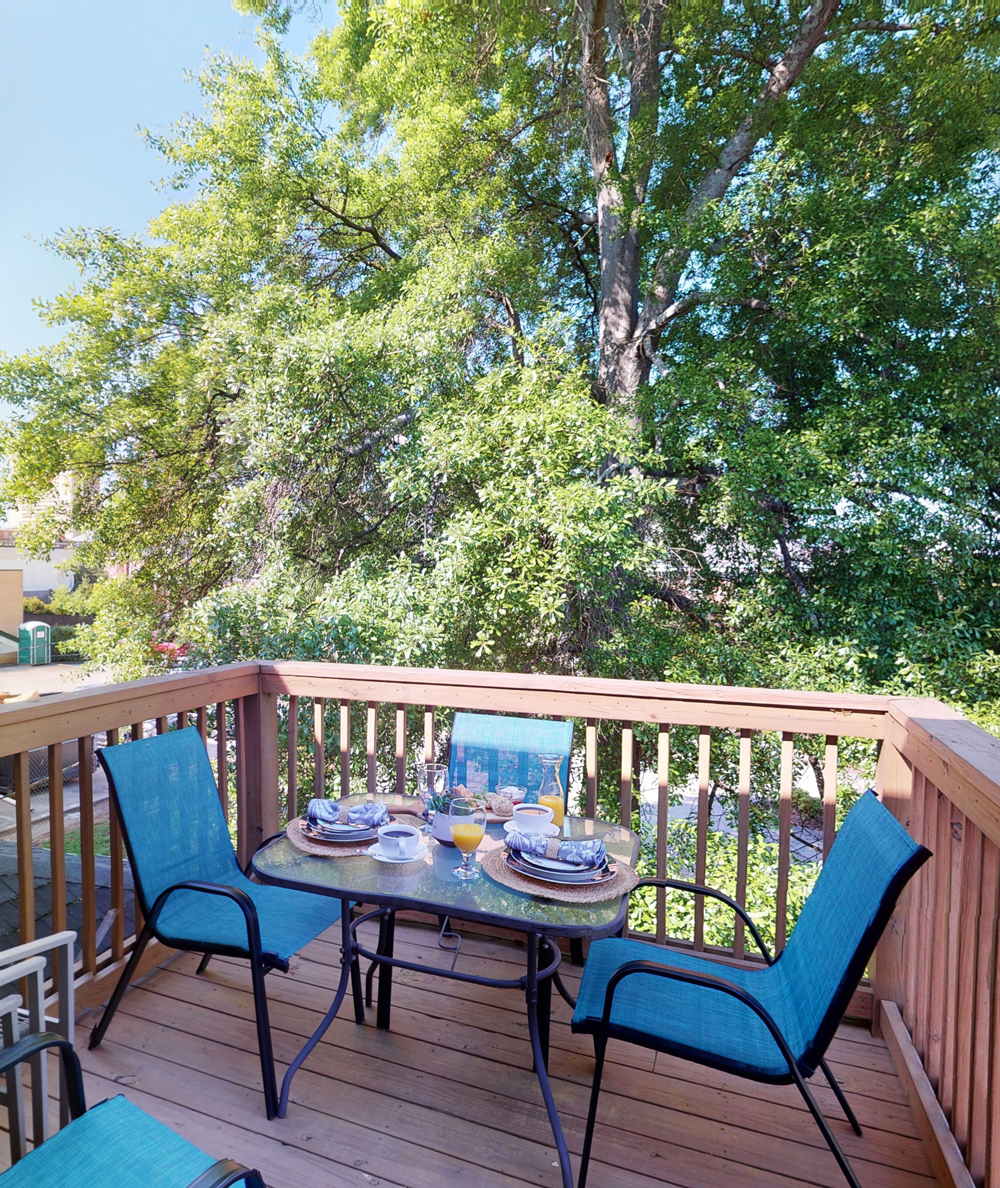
<point x="360" y="228"/>
<point x="737" y="150"/>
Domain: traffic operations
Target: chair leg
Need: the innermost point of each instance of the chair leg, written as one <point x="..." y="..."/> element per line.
<point x="600" y="1046"/>
<point x="844" y="1103"/>
<point x="264" y="1039"/>
<point x="825" y="1130"/>
<point x="357" y="992"/>
<point x="203" y="963"/>
<point x="373" y="966"/>
<point x="133" y="964"/>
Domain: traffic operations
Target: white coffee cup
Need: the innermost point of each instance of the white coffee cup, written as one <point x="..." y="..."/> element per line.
<point x="399" y="841"/>
<point x="532" y="818"/>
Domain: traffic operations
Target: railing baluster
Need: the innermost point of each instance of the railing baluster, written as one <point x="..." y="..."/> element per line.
<point x="942" y="895"/>
<point x="239" y="737"/>
<point x="428" y="734"/>
<point x="400" y="749"/>
<point x="968" y="945"/>
<point x="319" y="746"/>
<point x="370" y="738"/>
<point x="345" y="748"/>
<point x="57" y="848"/>
<point x="742" y="837"/>
<point x="590" y="807"/>
<point x="927" y="885"/>
<point x="25" y="853"/>
<point x="912" y="938"/>
<point x="953" y="856"/>
<point x="182" y="720"/>
<point x="293" y="757"/>
<point x="222" y="757"/>
<point x="983" y="1035"/>
<point x="201" y="722"/>
<point x="662" y="826"/>
<point x="784" y="838"/>
<point x="829" y="793"/>
<point x="117" y="871"/>
<point x="993" y="1055"/>
<point x="625" y="785"/>
<point x="701" y="854"/>
<point x="88" y="926"/>
<point x="162" y="725"/>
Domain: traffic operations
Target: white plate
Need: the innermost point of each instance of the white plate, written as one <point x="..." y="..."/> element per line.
<point x="601" y="875"/>
<point x="379" y="854"/>
<point x="556" y="864"/>
<point x="549" y="830"/>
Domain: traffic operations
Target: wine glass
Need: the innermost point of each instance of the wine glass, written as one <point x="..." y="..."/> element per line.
<point x="432" y="779"/>
<point x="467" y="822"/>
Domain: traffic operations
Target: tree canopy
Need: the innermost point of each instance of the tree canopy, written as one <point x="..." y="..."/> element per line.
<point x="616" y="337"/>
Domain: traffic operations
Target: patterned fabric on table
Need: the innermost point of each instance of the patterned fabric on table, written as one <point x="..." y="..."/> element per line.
<point x="368" y="814"/>
<point x="805" y="991"/>
<point x="585" y="851"/>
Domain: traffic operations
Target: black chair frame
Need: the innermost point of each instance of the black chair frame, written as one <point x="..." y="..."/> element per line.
<point x="711" y="982"/>
<point x="222" y="1174"/>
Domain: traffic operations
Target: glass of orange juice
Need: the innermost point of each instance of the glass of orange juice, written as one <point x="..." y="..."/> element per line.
<point x="467" y="822"/>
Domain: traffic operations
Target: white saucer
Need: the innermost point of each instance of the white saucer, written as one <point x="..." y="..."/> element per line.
<point x="550" y="830"/>
<point x="379" y="855"/>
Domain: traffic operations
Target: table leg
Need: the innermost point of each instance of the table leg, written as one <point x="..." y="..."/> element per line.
<point x="541" y="1070"/>
<point x="385" y="975"/>
<point x="347" y="964"/>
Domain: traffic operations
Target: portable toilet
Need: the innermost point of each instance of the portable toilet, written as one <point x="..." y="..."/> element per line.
<point x="34" y="643"/>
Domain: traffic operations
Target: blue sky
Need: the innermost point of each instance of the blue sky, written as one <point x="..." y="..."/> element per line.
<point x="78" y="78"/>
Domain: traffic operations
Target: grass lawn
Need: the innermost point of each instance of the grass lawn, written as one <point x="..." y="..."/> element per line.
<point x="102" y="839"/>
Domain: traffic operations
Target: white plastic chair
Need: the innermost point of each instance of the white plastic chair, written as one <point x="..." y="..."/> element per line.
<point x="27" y="962"/>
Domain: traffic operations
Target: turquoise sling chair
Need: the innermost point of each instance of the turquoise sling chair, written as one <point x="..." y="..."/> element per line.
<point x="114" y="1144"/>
<point x="188" y="881"/>
<point x="772" y="1024"/>
<point x="507" y="750"/>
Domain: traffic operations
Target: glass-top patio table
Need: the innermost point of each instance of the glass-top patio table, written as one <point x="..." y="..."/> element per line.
<point x="428" y="885"/>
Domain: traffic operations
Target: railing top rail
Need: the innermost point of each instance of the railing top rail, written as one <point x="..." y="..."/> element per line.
<point x="28" y="724"/>
<point x="584" y="686"/>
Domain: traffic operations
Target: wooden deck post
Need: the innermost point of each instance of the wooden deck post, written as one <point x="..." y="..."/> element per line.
<point x="259" y="743"/>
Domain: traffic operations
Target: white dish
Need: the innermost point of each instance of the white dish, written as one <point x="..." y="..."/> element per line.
<point x="549" y="830"/>
<point x="598" y="875"/>
<point x="379" y="854"/>
<point x="556" y="864"/>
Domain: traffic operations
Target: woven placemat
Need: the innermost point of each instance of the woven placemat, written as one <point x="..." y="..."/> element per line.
<point x="493" y="862"/>
<point x="324" y="849"/>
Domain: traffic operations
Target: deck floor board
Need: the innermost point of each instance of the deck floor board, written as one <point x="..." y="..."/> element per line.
<point x="448" y="1096"/>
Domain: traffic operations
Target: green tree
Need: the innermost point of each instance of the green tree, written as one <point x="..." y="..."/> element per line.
<point x="621" y="337"/>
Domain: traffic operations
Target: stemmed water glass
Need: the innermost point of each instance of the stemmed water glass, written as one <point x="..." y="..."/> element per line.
<point x="432" y="779"/>
<point x="467" y="822"/>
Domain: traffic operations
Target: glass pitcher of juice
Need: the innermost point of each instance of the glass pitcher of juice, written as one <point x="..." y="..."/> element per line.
<point x="550" y="791"/>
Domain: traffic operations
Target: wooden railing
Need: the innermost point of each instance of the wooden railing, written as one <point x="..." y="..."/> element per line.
<point x="286" y="731"/>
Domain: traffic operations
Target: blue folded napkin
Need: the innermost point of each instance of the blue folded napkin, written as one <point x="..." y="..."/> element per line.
<point x="366" y="815"/>
<point x="584" y="851"/>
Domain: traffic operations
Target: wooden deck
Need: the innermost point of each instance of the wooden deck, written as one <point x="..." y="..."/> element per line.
<point x="448" y="1096"/>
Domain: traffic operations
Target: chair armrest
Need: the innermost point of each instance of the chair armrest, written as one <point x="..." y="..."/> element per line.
<point x="242" y="901"/>
<point x="226" y="1172"/>
<point x="41" y="1041"/>
<point x="707" y="982"/>
<point x="698" y="889"/>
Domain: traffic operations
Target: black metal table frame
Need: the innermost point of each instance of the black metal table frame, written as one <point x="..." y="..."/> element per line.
<point x="536" y="983"/>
